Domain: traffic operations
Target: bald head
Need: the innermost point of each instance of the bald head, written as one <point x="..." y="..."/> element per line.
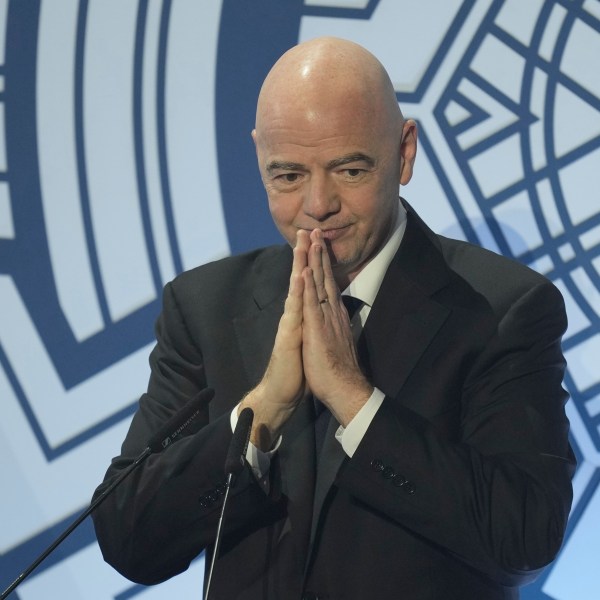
<point x="329" y="76"/>
<point x="332" y="149"/>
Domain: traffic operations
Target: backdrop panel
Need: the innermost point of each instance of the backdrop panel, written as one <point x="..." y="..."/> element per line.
<point x="126" y="157"/>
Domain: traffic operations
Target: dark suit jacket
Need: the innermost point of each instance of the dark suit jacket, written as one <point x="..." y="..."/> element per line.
<point x="460" y="488"/>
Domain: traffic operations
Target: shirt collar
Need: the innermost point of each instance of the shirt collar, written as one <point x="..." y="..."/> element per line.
<point x="367" y="283"/>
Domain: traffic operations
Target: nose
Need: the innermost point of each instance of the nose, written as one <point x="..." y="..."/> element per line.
<point x="321" y="197"/>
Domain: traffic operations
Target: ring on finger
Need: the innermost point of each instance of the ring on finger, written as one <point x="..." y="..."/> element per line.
<point x="324" y="301"/>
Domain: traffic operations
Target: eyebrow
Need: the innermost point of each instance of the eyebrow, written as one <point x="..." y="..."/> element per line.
<point x="351" y="158"/>
<point x="278" y="165"/>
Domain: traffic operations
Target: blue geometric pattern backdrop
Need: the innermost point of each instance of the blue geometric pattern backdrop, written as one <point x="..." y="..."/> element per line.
<point x="125" y="158"/>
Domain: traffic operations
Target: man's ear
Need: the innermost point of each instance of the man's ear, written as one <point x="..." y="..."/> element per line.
<point x="408" y="151"/>
<point x="253" y="134"/>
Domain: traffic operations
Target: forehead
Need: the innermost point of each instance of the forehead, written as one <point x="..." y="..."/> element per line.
<point x="322" y="134"/>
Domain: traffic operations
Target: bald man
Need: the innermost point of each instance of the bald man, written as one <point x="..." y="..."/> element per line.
<point x="416" y="448"/>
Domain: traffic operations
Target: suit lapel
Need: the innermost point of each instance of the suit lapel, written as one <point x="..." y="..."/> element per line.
<point x="255" y="328"/>
<point x="391" y="346"/>
<point x="405" y="316"/>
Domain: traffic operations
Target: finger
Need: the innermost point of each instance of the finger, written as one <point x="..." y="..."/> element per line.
<point x="292" y="312"/>
<point x="310" y="298"/>
<point x="315" y="262"/>
<point x="296" y="289"/>
<point x="300" y="252"/>
<point x="331" y="288"/>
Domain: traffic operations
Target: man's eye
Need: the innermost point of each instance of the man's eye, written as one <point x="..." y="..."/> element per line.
<point x="288" y="177"/>
<point x="353" y="174"/>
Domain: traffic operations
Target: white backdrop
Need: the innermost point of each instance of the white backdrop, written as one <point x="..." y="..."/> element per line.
<point x="125" y="157"/>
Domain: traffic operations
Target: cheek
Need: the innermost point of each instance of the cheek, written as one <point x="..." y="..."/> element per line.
<point x="367" y="210"/>
<point x="283" y="213"/>
<point x="375" y="217"/>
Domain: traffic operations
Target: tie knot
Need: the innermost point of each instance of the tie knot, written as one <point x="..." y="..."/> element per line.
<point x="352" y="305"/>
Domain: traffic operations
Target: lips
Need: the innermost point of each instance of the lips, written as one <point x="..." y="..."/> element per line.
<point x="334" y="233"/>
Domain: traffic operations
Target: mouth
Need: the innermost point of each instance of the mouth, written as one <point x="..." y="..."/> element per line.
<point x="334" y="232"/>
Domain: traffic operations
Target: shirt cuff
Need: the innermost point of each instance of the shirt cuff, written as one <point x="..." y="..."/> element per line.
<point x="351" y="436"/>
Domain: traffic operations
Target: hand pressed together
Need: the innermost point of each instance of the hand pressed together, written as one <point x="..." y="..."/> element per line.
<point x="314" y="351"/>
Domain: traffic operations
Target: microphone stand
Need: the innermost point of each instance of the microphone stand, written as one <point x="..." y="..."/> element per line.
<point x="234" y="463"/>
<point x="218" y="540"/>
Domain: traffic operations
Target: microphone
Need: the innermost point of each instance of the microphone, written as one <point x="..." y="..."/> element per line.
<point x="234" y="463"/>
<point x="157" y="442"/>
<point x="179" y="421"/>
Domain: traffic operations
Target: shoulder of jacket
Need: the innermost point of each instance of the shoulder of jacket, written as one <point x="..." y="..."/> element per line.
<point x="500" y="279"/>
<point x="236" y="266"/>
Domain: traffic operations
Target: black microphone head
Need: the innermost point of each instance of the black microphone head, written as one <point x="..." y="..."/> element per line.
<point x="180" y="420"/>
<point x="234" y="462"/>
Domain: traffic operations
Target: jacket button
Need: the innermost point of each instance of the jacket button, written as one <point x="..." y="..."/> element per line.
<point x="400" y="480"/>
<point x="377" y="465"/>
<point x="388" y="473"/>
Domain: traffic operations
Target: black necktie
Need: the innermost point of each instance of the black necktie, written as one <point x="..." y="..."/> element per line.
<point x="352" y="305"/>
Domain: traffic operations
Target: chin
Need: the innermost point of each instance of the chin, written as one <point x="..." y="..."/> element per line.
<point x="343" y="267"/>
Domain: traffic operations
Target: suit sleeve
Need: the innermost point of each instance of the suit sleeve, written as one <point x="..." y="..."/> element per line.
<point x="496" y="495"/>
<point x="166" y="512"/>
